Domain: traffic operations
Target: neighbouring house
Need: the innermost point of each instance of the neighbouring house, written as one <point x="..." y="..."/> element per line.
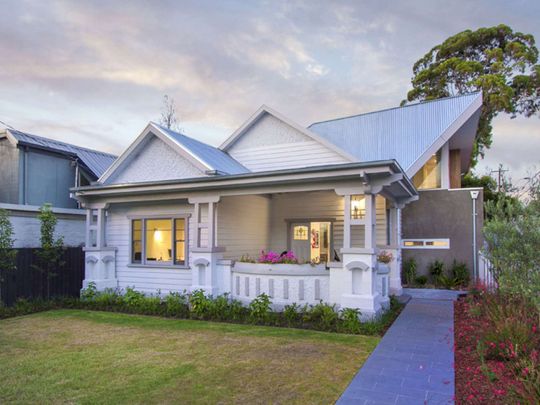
<point x="173" y="213"/>
<point x="36" y="170"/>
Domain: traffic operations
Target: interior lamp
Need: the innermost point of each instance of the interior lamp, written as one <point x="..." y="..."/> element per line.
<point x="158" y="237"/>
<point x="358" y="207"/>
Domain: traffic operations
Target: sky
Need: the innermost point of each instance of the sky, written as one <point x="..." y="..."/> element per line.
<point x="94" y="72"/>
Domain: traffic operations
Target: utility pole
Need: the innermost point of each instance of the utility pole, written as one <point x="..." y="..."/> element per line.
<point x="500" y="172"/>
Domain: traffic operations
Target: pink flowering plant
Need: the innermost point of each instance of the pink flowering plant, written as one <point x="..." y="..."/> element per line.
<point x="271" y="257"/>
<point x="385" y="257"/>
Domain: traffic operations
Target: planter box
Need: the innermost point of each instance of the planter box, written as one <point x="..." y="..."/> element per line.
<point x="281" y="269"/>
<point x="383" y="268"/>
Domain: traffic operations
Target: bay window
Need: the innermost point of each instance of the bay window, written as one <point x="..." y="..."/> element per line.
<point x="159" y="241"/>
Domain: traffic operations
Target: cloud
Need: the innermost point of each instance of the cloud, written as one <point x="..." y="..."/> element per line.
<point x="96" y="71"/>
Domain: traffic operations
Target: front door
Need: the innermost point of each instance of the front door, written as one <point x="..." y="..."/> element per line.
<point x="300" y="240"/>
<point x="310" y="241"/>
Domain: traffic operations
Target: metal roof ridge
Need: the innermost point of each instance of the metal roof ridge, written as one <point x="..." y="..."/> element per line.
<point x="396" y="108"/>
<point x="62" y="142"/>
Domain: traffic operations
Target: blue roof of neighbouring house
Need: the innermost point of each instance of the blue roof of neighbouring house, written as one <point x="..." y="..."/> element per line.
<point x="97" y="162"/>
<point x="213" y="157"/>
<point x="401" y="133"/>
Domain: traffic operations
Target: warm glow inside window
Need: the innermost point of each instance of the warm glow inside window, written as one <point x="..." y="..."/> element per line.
<point x="136" y="241"/>
<point x="358" y="207"/>
<point x="300" y="232"/>
<point x="180" y="241"/>
<point x="158" y="245"/>
<point x="159" y="241"/>
<point x="426" y="243"/>
<point x="429" y="176"/>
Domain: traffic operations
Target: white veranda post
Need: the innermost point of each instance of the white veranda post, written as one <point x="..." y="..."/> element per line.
<point x="353" y="281"/>
<point x="210" y="273"/>
<point x="100" y="260"/>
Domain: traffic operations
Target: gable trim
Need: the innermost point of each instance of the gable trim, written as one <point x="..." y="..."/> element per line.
<point x="229" y="142"/>
<point x="445" y="136"/>
<point x="152" y="129"/>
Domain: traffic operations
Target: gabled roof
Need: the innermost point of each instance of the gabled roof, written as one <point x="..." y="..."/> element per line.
<point x="97" y="162"/>
<point x="267" y="110"/>
<point x="409" y="134"/>
<point x="215" y="158"/>
<point x="203" y="156"/>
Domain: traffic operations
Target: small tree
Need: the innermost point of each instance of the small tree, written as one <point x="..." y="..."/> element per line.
<point x="51" y="252"/>
<point x="7" y="253"/>
<point x="168" y="114"/>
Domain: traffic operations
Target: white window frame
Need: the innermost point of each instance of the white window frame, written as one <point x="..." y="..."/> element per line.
<point x="426" y="243"/>
<point x="153" y="264"/>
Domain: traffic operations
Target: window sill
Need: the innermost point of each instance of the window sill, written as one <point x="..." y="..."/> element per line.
<point x="159" y="266"/>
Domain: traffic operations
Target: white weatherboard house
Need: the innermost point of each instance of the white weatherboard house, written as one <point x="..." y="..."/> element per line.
<point x="174" y="214"/>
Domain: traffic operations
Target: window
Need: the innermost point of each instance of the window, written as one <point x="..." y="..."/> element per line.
<point x="159" y="241"/>
<point x="429" y="176"/>
<point x="136" y="241"/>
<point x="426" y="243"/>
<point x="358" y="207"/>
<point x="300" y="232"/>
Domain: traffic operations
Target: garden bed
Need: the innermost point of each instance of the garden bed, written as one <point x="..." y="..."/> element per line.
<point x="497" y="346"/>
<point x="320" y="317"/>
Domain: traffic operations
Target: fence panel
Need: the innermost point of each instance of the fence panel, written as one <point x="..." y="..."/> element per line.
<point x="485" y="272"/>
<point x="28" y="282"/>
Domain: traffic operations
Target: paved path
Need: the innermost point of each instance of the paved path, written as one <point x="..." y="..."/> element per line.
<point x="414" y="362"/>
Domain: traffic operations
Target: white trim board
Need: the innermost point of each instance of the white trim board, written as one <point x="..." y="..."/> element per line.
<point x="154" y="130"/>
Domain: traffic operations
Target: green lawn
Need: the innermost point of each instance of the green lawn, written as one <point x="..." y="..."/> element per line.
<point x="71" y="356"/>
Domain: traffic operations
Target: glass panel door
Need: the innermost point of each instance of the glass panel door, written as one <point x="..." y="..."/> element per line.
<point x="300" y="240"/>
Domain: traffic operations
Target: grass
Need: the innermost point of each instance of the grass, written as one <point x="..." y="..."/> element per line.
<point x="75" y="356"/>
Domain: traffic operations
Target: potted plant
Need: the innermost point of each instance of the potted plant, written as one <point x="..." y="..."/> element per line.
<point x="285" y="263"/>
<point x="384" y="259"/>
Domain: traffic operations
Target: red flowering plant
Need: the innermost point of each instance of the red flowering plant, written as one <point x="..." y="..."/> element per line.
<point x="271" y="257"/>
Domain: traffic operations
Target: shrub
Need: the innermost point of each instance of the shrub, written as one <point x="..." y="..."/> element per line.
<point x="90" y="292"/>
<point x="199" y="304"/>
<point x="237" y="311"/>
<point x="421" y="280"/>
<point x="409" y="271"/>
<point x="512" y="238"/>
<point x="291" y="314"/>
<point x="7" y="253"/>
<point x="323" y="316"/>
<point x="260" y="310"/>
<point x="460" y="273"/>
<point x="436" y="269"/>
<point x="219" y="308"/>
<point x="446" y="281"/>
<point x="176" y="305"/>
<point x="351" y="320"/>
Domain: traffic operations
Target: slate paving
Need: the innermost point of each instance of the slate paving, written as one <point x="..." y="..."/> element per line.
<point x="414" y="362"/>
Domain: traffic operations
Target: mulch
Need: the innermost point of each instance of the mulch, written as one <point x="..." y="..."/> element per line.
<point x="473" y="386"/>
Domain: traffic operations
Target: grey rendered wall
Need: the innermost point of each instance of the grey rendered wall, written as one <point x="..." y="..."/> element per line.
<point x="9" y="172"/>
<point x="26" y="225"/>
<point x="443" y="214"/>
<point x="49" y="179"/>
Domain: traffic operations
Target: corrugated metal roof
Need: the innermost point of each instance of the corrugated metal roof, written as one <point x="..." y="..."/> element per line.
<point x="401" y="133"/>
<point x="213" y="157"/>
<point x="97" y="162"/>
